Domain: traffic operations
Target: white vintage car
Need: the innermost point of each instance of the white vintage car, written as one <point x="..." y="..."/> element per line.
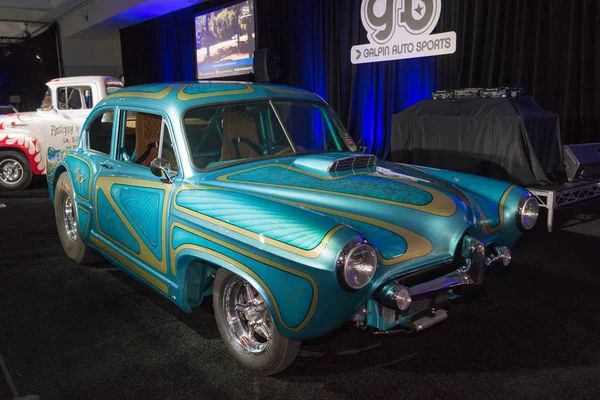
<point x="25" y="136"/>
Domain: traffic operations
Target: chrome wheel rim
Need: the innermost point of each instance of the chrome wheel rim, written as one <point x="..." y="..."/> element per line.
<point x="69" y="218"/>
<point x="11" y="171"/>
<point x="248" y="316"/>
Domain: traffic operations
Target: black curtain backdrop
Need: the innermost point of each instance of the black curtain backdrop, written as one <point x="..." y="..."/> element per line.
<point x="23" y="74"/>
<point x="159" y="50"/>
<point x="314" y="38"/>
<point x="545" y="46"/>
<point x="549" y="47"/>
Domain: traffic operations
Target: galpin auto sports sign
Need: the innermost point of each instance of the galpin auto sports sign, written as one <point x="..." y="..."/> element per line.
<point x="399" y="29"/>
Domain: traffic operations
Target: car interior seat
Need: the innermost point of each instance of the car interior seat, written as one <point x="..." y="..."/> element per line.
<point x="240" y="136"/>
<point x="147" y="140"/>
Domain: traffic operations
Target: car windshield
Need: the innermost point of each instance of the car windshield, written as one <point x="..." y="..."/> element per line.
<point x="47" y="101"/>
<point x="223" y="134"/>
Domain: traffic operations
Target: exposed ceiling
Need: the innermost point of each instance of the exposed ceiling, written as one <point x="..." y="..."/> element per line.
<point x="16" y="15"/>
<point x="105" y="16"/>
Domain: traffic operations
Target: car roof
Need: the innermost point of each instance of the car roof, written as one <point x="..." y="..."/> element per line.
<point x="84" y="79"/>
<point x="181" y="96"/>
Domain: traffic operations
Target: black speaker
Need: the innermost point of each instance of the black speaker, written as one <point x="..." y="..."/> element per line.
<point x="267" y="66"/>
<point x="582" y="160"/>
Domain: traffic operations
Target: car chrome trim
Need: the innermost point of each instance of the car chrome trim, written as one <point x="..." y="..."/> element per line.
<point x="285" y="129"/>
<point x="456" y="278"/>
<point x="502" y="253"/>
<point x="351" y="163"/>
<point x="247" y="316"/>
<point x="426" y="322"/>
<point x="11" y="171"/>
<point x="470" y="274"/>
<point x="69" y="218"/>
<point x="342" y="261"/>
<point x="521" y="207"/>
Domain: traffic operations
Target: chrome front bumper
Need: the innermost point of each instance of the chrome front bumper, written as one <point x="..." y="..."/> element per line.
<point x="428" y="298"/>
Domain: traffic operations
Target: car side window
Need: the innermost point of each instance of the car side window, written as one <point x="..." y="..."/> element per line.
<point x="89" y="99"/>
<point x="140" y="139"/>
<point x="100" y="132"/>
<point x="69" y="98"/>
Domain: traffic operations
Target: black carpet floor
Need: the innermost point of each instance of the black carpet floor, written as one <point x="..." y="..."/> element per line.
<point x="74" y="332"/>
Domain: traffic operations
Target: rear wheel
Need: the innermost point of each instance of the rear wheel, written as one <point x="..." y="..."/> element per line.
<point x="67" y="223"/>
<point x="247" y="328"/>
<point x="15" y="172"/>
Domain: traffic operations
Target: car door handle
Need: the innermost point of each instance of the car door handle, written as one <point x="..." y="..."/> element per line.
<point x="106" y="165"/>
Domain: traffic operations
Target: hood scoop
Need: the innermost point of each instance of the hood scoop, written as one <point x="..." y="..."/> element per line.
<point x="354" y="162"/>
<point x="324" y="164"/>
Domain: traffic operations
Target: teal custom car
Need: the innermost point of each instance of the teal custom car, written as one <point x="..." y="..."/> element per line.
<point x="256" y="195"/>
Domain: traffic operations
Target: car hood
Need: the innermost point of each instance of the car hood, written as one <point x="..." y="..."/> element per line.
<point x="19" y="121"/>
<point x="405" y="212"/>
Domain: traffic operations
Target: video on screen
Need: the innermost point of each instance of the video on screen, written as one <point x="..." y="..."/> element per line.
<point x="225" y="41"/>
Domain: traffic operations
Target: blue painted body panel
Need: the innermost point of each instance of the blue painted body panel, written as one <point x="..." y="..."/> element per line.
<point x="273" y="220"/>
<point x="279" y="223"/>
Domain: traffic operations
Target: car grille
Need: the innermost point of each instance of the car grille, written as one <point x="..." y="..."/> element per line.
<point x="427" y="274"/>
<point x="356" y="162"/>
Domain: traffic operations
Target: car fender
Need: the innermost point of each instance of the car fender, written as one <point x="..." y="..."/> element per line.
<point x="301" y="292"/>
<point x="488" y="197"/>
<point x="26" y="143"/>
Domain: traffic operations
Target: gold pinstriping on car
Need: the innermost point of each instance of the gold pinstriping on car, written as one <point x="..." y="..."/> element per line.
<point x="255" y="257"/>
<point x="416" y="245"/>
<point x="441" y="204"/>
<point x="313" y="253"/>
<point x="161" y="94"/>
<point x="485" y="226"/>
<point x="158" y="284"/>
<point x="183" y="96"/>
<point x="146" y="255"/>
<point x="88" y="227"/>
<point x="89" y="177"/>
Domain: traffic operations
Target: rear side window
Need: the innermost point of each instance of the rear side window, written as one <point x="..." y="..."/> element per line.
<point x="74" y="98"/>
<point x="100" y="132"/>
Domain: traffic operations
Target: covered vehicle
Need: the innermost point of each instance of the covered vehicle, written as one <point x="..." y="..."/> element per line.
<point x="257" y="196"/>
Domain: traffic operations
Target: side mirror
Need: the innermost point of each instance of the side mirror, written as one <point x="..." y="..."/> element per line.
<point x="361" y="147"/>
<point x="160" y="167"/>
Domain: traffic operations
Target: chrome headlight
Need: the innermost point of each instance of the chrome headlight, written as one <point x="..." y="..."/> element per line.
<point x="527" y="212"/>
<point x="356" y="264"/>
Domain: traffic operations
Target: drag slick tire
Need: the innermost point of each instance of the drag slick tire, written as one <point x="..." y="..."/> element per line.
<point x="247" y="328"/>
<point x="15" y="172"/>
<point x="67" y="224"/>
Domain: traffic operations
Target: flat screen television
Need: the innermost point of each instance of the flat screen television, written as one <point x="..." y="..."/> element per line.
<point x="225" y="41"/>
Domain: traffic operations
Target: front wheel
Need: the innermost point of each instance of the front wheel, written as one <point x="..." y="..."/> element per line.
<point x="247" y="328"/>
<point x="15" y="171"/>
<point x="67" y="223"/>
